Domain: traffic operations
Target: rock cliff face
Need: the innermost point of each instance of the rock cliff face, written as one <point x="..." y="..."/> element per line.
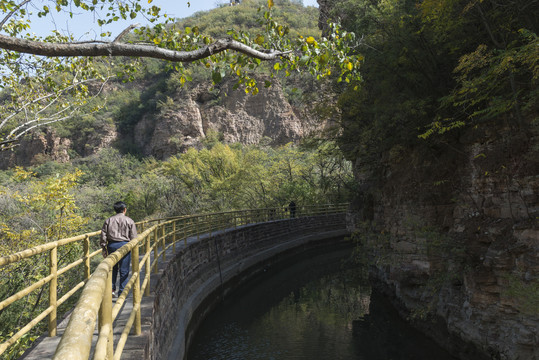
<point x="36" y="149"/>
<point x="237" y="116"/>
<point x="184" y="121"/>
<point x="460" y="250"/>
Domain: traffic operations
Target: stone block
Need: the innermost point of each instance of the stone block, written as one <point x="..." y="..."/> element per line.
<point x="505" y="212"/>
<point x="405" y="247"/>
<point x="529" y="236"/>
<point x="493" y="212"/>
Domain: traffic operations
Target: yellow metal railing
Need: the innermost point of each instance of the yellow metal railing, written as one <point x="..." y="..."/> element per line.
<point x="155" y="237"/>
<point x="52" y="279"/>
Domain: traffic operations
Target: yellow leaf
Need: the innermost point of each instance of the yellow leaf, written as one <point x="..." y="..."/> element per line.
<point x="259" y="40"/>
<point x="349" y="66"/>
<point x="270" y="4"/>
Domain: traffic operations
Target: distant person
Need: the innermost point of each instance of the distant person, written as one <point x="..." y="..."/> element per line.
<point x="292" y="209"/>
<point x="117" y="231"/>
<point x="272" y="214"/>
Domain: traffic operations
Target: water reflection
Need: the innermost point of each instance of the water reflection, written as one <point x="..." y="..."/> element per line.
<point x="318" y="307"/>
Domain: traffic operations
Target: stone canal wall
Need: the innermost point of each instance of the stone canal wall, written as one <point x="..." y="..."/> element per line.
<point x="206" y="270"/>
<point x="457" y="243"/>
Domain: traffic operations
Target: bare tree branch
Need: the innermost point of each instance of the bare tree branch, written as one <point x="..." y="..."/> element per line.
<point x="125" y="32"/>
<point x="2" y="143"/>
<point x="23" y="107"/>
<point x="133" y="50"/>
<point x="34" y="121"/>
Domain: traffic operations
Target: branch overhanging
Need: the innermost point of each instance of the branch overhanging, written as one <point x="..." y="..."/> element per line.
<point x="132" y="50"/>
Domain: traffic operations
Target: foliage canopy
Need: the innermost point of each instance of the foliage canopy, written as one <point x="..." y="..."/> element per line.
<point x="437" y="65"/>
<point x="38" y="72"/>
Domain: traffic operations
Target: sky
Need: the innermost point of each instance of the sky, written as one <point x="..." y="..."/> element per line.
<point x="85" y="27"/>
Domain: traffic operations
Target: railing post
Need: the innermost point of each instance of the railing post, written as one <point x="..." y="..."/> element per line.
<point x="155" y="249"/>
<point x="87" y="257"/>
<point x="148" y="265"/>
<point x="105" y="319"/>
<point x="196" y="229"/>
<point x="53" y="288"/>
<point x="174" y="235"/>
<point x="136" y="289"/>
<point x="185" y="227"/>
<point x="163" y="241"/>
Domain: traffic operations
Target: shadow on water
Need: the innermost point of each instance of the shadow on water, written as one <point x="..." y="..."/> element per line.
<point x="315" y="306"/>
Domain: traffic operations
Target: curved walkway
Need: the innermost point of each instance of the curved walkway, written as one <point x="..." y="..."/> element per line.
<point x="138" y="347"/>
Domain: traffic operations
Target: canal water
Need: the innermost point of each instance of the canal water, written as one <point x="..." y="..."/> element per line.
<point x="316" y="307"/>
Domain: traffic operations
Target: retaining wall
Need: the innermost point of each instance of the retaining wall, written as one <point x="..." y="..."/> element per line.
<point x="202" y="272"/>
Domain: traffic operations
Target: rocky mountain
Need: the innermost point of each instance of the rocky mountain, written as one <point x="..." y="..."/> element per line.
<point x="36" y="149"/>
<point x="184" y="120"/>
<point x="154" y="116"/>
<point x="236" y="116"/>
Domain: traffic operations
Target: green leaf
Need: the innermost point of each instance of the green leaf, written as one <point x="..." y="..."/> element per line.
<point x="216" y="77"/>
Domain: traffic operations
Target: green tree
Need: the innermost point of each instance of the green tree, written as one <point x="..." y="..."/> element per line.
<point x="47" y="205"/>
<point x="36" y="211"/>
<point x="236" y="177"/>
<point x="433" y="66"/>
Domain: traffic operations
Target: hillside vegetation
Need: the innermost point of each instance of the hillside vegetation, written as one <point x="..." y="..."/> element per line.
<point x="157" y="82"/>
<point x="436" y="66"/>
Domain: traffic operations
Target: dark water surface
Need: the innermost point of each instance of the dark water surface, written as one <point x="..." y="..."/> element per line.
<point x="317" y="307"/>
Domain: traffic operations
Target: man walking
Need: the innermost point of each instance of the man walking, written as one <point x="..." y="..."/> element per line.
<point x="117" y="231"/>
